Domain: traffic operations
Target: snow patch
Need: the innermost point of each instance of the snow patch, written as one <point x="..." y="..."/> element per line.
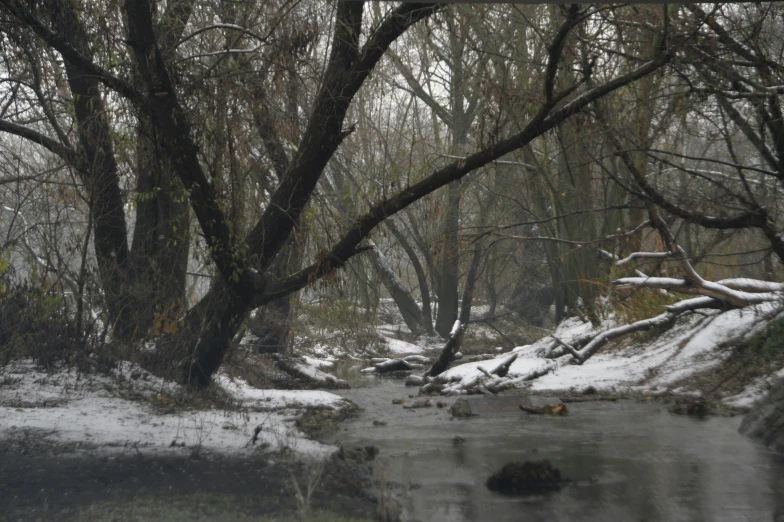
<point x="397" y="346"/>
<point x="115" y="412"/>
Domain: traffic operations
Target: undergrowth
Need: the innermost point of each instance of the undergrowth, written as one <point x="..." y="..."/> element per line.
<point x="35" y="323"/>
<point x="755" y="357"/>
<point x="338" y="323"/>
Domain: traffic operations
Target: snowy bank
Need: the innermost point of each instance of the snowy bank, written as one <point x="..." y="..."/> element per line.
<point x="128" y="412"/>
<point x="664" y="364"/>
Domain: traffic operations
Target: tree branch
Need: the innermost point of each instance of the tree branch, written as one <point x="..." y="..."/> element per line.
<point x="17" y="9"/>
<point x="542" y="122"/>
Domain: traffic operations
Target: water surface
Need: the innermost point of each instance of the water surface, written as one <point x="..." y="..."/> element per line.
<point x="632" y="461"/>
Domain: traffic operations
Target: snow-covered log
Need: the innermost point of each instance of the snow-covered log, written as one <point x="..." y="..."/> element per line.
<point x="502" y="369"/>
<point x="386" y="364"/>
<point x="298" y="368"/>
<point x="665" y="320"/>
<point x="393" y="365"/>
<point x="736" y="298"/>
<point x="481" y="357"/>
<point x="642" y="255"/>
<point x="692" y="282"/>
<point x="417" y="359"/>
<point x="556" y="350"/>
<point x="752" y="285"/>
<point x="489" y="382"/>
<point x="530" y="376"/>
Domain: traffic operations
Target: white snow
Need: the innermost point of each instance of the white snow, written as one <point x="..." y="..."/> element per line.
<point x="397" y="346"/>
<point x="328" y="362"/>
<point x="116" y="412"/>
<point x="455" y="328"/>
<point x="692" y="346"/>
<point x="276" y="399"/>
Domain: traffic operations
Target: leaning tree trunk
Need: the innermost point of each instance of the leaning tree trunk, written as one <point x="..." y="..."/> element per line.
<point x="415" y="320"/>
<point x="476" y="259"/>
<point x="424" y="289"/>
<point x="406" y="304"/>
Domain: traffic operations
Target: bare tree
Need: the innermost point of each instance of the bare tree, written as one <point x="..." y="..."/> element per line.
<point x="245" y="263"/>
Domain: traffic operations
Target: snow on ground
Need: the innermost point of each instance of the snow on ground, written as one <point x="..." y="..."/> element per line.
<point x="277" y="399"/>
<point x="116" y="412"/>
<point x="692" y="346"/>
<point x="328" y="362"/>
<point x="399" y="347"/>
<point x="754" y="392"/>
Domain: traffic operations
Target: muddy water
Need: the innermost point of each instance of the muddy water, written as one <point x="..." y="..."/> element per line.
<point x="631" y="461"/>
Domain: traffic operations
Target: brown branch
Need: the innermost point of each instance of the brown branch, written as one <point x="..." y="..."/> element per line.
<point x="539" y="124"/>
<point x="69" y="155"/>
<point x="17" y="9"/>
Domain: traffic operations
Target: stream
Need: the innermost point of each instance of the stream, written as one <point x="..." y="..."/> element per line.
<point x="630" y="460"/>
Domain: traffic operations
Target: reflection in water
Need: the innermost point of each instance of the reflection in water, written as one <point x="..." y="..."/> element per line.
<point x="631" y="461"/>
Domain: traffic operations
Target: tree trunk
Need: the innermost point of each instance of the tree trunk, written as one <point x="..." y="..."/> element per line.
<point x="273" y="321"/>
<point x="451" y="347"/>
<point x="470" y="284"/>
<point x="102" y="181"/>
<point x="161" y="236"/>
<point x="449" y="273"/>
<point x="424" y="289"/>
<point x="405" y="303"/>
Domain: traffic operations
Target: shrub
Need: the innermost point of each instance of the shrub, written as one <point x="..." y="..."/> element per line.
<point x="34" y="323"/>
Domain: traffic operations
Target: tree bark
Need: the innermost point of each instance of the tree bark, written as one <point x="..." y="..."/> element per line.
<point x="424" y="289"/>
<point x="402" y="297"/>
<point x="449" y="271"/>
<point x="102" y="179"/>
<point x="451" y="347"/>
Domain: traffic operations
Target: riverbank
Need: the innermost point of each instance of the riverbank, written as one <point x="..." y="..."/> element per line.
<point x="126" y="445"/>
<point x="731" y="358"/>
<point x="38" y="483"/>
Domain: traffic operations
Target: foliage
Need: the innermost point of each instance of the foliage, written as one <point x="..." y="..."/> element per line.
<point x="34" y="323"/>
<point x="340" y="323"/>
<point x="757" y="356"/>
<point x="640" y="304"/>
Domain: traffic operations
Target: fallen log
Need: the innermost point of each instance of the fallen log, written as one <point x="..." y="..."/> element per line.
<point x="502" y="369"/>
<point x="393" y="365"/>
<point x="302" y="370"/>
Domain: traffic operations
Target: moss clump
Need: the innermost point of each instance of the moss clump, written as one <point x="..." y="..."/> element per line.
<point x="519" y="478"/>
<point x="692" y="407"/>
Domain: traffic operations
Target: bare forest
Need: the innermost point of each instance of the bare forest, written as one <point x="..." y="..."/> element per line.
<point x="239" y="201"/>
<point x="177" y="173"/>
